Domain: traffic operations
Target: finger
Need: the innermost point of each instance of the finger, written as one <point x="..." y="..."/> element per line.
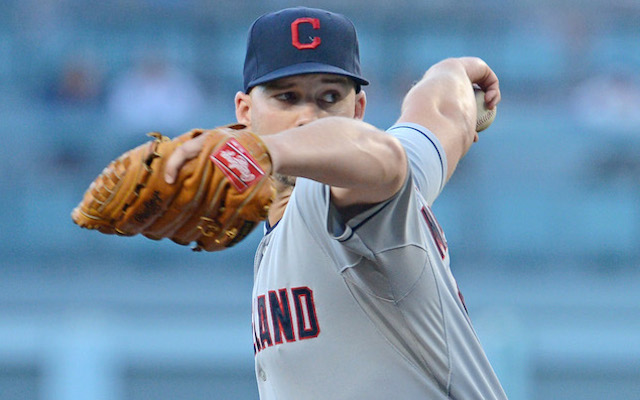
<point x="492" y="92"/>
<point x="175" y="162"/>
<point x="178" y="158"/>
<point x="492" y="98"/>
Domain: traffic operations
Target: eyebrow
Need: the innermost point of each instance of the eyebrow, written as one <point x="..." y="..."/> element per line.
<point x="289" y="83"/>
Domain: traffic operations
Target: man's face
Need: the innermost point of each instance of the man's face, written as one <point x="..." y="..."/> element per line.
<point x="297" y="100"/>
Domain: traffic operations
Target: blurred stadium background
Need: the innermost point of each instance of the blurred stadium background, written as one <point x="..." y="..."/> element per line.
<point x="542" y="218"/>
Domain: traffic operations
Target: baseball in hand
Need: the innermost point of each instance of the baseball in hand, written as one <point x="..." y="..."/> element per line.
<point x="485" y="116"/>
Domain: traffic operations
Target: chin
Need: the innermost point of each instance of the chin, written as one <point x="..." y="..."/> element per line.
<point x="286" y="180"/>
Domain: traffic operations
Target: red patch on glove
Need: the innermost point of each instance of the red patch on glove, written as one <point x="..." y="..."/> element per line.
<point x="237" y="164"/>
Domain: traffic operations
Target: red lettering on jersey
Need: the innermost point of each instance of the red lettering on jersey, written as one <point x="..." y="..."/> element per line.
<point x="462" y="299"/>
<point x="295" y="33"/>
<point x="305" y="312"/>
<point x="436" y="230"/>
<point x="281" y="316"/>
<point x="276" y="310"/>
<point x="256" y="342"/>
<point x="265" y="332"/>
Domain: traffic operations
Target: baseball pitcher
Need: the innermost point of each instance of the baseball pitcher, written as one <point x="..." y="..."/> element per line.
<point x="353" y="295"/>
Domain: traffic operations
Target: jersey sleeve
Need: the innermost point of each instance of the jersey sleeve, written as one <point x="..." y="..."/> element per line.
<point x="427" y="159"/>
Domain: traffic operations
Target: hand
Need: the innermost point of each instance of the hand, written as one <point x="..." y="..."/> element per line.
<point x="188" y="150"/>
<point x="483" y="76"/>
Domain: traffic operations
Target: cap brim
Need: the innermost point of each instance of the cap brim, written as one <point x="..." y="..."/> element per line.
<point x="304" y="68"/>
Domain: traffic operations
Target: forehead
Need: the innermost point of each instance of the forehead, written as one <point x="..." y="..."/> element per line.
<point x="309" y="79"/>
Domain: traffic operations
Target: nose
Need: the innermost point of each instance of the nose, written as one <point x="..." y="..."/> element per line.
<point x="307" y="113"/>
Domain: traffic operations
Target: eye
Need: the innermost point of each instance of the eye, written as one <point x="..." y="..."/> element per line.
<point x="330" y="97"/>
<point x="286" y="97"/>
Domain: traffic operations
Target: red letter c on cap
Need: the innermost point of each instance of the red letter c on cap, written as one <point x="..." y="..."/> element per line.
<point x="295" y="34"/>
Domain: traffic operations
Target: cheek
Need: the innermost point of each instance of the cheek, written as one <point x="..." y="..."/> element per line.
<point x="269" y="121"/>
<point x="349" y="112"/>
<point x="348" y="109"/>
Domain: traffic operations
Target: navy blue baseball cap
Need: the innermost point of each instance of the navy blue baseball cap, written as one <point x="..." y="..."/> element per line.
<point x="301" y="40"/>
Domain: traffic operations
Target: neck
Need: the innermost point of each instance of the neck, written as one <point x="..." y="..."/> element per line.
<point x="276" y="211"/>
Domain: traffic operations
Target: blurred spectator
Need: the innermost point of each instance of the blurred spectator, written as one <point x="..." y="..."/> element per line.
<point x="608" y="105"/>
<point x="609" y="102"/>
<point x="154" y="96"/>
<point x="80" y="82"/>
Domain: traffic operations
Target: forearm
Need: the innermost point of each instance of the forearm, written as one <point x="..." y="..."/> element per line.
<point x="341" y="152"/>
<point x="443" y="101"/>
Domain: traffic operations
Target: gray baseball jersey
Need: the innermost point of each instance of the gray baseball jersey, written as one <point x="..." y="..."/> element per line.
<point x="366" y="308"/>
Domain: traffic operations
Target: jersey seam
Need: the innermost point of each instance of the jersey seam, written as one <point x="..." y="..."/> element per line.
<point x="445" y="330"/>
<point x="444" y="324"/>
<point x="386" y="339"/>
<point x="415" y="283"/>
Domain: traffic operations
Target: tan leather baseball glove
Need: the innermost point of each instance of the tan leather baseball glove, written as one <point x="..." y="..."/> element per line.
<point x="217" y="199"/>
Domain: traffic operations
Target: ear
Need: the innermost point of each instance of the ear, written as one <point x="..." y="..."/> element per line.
<point x="243" y="108"/>
<point x="361" y="104"/>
